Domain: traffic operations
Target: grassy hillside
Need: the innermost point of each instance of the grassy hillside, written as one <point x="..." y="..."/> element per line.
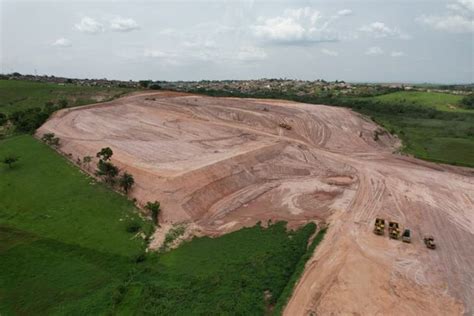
<point x="64" y="244"/>
<point x="18" y="95"/>
<point x="440" y="101"/>
<point x="44" y="195"/>
<point x="65" y="250"/>
<point x="443" y="135"/>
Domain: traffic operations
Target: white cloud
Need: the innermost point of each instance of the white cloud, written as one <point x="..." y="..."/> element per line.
<point x="380" y="30"/>
<point x="374" y="51"/>
<point x="89" y="25"/>
<point x="166" y="57"/>
<point x="329" y="52"/>
<point x="250" y="53"/>
<point x="298" y="26"/>
<point x="449" y="23"/>
<point x="121" y="24"/>
<point x="344" y="12"/>
<point x="397" y="54"/>
<point x="207" y="43"/>
<point x="462" y="7"/>
<point x="459" y="18"/>
<point x="155" y="53"/>
<point x="62" y="42"/>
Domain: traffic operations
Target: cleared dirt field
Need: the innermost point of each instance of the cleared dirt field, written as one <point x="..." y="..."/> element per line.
<point x="225" y="163"/>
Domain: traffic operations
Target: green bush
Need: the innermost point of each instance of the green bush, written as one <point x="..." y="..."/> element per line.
<point x="468" y="102"/>
<point x="133" y="227"/>
<point x="3" y="119"/>
<point x="29" y="120"/>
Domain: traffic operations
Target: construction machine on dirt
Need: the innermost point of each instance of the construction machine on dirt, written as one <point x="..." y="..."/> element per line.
<point x="379" y="226"/>
<point x="406" y="236"/>
<point x="429" y="242"/>
<point x="285" y="126"/>
<point x="393" y="230"/>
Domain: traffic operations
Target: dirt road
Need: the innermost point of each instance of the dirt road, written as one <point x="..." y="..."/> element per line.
<point x="225" y="163"/>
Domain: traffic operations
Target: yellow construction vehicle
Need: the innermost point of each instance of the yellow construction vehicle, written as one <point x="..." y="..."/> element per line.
<point x="379" y="226"/>
<point x="429" y="242"/>
<point x="393" y="230"/>
<point x="406" y="236"/>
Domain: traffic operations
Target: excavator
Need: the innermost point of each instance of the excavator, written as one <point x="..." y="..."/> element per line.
<point x="393" y="230"/>
<point x="379" y="227"/>
<point x="429" y="242"/>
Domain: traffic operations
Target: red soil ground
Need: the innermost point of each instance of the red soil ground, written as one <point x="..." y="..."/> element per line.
<point x="224" y="163"/>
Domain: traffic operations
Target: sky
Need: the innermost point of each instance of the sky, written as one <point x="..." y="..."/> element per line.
<point x="352" y="40"/>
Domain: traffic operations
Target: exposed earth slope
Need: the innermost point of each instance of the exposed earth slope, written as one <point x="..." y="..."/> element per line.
<point x="224" y="163"/>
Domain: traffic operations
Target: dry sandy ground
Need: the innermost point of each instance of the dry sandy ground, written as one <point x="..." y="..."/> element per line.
<point x="224" y="163"/>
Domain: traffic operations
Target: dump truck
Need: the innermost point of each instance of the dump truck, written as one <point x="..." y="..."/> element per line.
<point x="393" y="230"/>
<point x="429" y="242"/>
<point x="379" y="226"/>
<point x="406" y="236"/>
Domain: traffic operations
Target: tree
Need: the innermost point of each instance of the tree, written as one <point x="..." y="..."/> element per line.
<point x="3" y="119"/>
<point x="107" y="170"/>
<point x="468" y="101"/>
<point x="154" y="208"/>
<point x="54" y="142"/>
<point x="28" y="120"/>
<point x="144" y="83"/>
<point x="86" y="161"/>
<point x="10" y="160"/>
<point x="126" y="182"/>
<point x="105" y="153"/>
<point x="47" y="137"/>
<point x="62" y="103"/>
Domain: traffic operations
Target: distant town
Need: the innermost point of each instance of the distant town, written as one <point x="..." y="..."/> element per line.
<point x="299" y="88"/>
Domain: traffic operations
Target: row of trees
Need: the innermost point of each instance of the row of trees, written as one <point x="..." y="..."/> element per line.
<point x="109" y="172"/>
<point x="105" y="169"/>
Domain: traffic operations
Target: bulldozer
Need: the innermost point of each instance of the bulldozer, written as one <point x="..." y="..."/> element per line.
<point x="393" y="230"/>
<point x="379" y="227"/>
<point x="406" y="236"/>
<point x="429" y="242"/>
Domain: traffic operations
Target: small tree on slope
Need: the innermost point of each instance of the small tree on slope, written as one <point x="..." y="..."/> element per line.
<point x="126" y="182"/>
<point x="154" y="208"/>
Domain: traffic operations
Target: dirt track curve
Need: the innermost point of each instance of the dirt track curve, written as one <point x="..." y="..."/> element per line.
<point x="224" y="163"/>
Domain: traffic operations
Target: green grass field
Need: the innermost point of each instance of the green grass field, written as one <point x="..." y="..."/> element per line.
<point x="64" y="244"/>
<point x="64" y="250"/>
<point x="440" y="101"/>
<point x="43" y="194"/>
<point x="20" y="95"/>
<point x="448" y="137"/>
<point x="225" y="276"/>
